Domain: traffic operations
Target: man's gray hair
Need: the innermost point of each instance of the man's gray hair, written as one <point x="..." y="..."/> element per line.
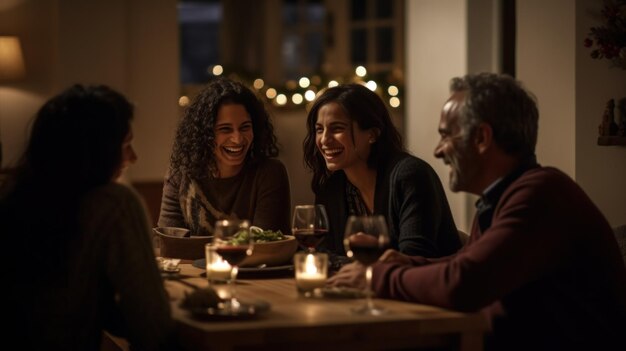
<point x="504" y="104"/>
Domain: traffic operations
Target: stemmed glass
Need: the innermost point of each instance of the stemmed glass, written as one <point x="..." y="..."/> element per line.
<point x="365" y="240"/>
<point x="234" y="242"/>
<point x="309" y="225"/>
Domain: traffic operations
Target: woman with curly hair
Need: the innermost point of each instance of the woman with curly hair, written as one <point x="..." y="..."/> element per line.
<point x="360" y="168"/>
<point x="223" y="164"/>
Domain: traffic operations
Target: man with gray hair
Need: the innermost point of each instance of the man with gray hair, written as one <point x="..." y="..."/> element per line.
<point x="541" y="263"/>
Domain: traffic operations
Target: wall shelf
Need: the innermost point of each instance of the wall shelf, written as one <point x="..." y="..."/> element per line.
<point x="611" y="140"/>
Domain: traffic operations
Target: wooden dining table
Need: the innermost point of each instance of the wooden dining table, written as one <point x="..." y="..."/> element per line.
<point x="295" y="322"/>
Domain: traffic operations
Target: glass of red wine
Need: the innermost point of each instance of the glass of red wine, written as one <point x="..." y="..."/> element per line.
<point x="233" y="241"/>
<point x="309" y="225"/>
<point x="365" y="240"/>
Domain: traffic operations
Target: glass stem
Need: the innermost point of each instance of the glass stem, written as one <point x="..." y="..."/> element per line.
<point x="234" y="304"/>
<point x="368" y="287"/>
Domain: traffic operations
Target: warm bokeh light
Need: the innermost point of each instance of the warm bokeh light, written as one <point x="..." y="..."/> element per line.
<point x="360" y="71"/>
<point x="183" y="101"/>
<point x="304" y="82"/>
<point x="394" y="102"/>
<point x="317" y="80"/>
<point x="291" y="84"/>
<point x="297" y="98"/>
<point x="392" y="90"/>
<point x="270" y="93"/>
<point x="218" y="70"/>
<point x="309" y="95"/>
<point x="332" y="83"/>
<point x="371" y="85"/>
<point x="281" y="99"/>
<point x="258" y="84"/>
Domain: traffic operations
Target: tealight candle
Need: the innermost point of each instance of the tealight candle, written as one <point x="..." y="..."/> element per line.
<point x="311" y="271"/>
<point x="216" y="268"/>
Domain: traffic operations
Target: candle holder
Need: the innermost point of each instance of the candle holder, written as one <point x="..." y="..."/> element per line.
<point x="217" y="269"/>
<point x="311" y="271"/>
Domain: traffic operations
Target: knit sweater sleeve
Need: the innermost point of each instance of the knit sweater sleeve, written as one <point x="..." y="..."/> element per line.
<point x="171" y="214"/>
<point x="116" y="218"/>
<point x="496" y="260"/>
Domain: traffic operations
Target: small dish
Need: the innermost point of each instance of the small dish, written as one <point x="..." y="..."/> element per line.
<point x="168" y="265"/>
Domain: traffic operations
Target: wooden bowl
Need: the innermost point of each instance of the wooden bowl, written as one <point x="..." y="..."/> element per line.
<point x="175" y="244"/>
<point x="272" y="253"/>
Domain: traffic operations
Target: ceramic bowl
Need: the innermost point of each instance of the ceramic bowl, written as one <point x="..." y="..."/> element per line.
<point x="174" y="243"/>
<point x="273" y="253"/>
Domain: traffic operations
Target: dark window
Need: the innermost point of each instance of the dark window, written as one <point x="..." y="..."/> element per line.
<point x="303" y="37"/>
<point x="358" y="49"/>
<point x="358" y="10"/>
<point x="384" y="9"/>
<point x="199" y="39"/>
<point x="384" y="45"/>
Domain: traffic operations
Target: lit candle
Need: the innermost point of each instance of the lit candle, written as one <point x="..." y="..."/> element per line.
<point x="311" y="273"/>
<point x="218" y="270"/>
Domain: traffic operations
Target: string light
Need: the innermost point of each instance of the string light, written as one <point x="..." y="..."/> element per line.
<point x="183" y="101"/>
<point x="258" y="84"/>
<point x="218" y="70"/>
<point x="305" y="89"/>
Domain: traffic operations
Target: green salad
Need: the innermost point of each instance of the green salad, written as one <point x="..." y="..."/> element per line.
<point x="259" y="236"/>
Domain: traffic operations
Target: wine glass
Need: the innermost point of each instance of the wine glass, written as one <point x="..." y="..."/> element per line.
<point x="309" y="225"/>
<point x="233" y="241"/>
<point x="365" y="240"/>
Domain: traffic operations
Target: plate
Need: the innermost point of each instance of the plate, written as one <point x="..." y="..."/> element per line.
<point x="245" y="271"/>
<point x="247" y="310"/>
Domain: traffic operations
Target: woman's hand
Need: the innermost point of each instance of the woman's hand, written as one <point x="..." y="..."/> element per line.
<point x="350" y="275"/>
<point x="394" y="256"/>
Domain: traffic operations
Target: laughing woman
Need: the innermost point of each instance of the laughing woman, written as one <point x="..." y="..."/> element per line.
<point x="359" y="168"/>
<point x="223" y="164"/>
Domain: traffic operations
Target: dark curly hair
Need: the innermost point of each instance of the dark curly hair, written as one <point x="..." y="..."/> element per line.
<point x="368" y="110"/>
<point x="194" y="146"/>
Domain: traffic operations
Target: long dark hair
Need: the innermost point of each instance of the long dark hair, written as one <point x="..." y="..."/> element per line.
<point x="368" y="110"/>
<point x="75" y="145"/>
<point x="76" y="139"/>
<point x="194" y="146"/>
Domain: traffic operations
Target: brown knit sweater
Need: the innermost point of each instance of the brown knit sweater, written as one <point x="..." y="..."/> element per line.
<point x="259" y="193"/>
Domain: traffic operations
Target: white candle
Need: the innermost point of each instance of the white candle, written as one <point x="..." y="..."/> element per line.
<point x="310" y="277"/>
<point x="218" y="270"/>
<point x="309" y="281"/>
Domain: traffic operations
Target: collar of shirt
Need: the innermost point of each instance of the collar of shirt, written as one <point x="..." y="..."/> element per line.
<point x="486" y="205"/>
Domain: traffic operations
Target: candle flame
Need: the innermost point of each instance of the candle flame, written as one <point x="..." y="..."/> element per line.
<point x="309" y="265"/>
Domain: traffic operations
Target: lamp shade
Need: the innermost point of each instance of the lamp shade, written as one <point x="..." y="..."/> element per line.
<point x="11" y="59"/>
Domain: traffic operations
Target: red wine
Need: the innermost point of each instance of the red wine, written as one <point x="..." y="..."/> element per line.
<point x="365" y="248"/>
<point x="234" y="255"/>
<point x="310" y="238"/>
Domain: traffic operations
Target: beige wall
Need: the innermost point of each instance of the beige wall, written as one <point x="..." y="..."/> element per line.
<point x="436" y="51"/>
<point x="600" y="170"/>
<point x="545" y="64"/>
<point x="572" y="90"/>
<point x="131" y="46"/>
